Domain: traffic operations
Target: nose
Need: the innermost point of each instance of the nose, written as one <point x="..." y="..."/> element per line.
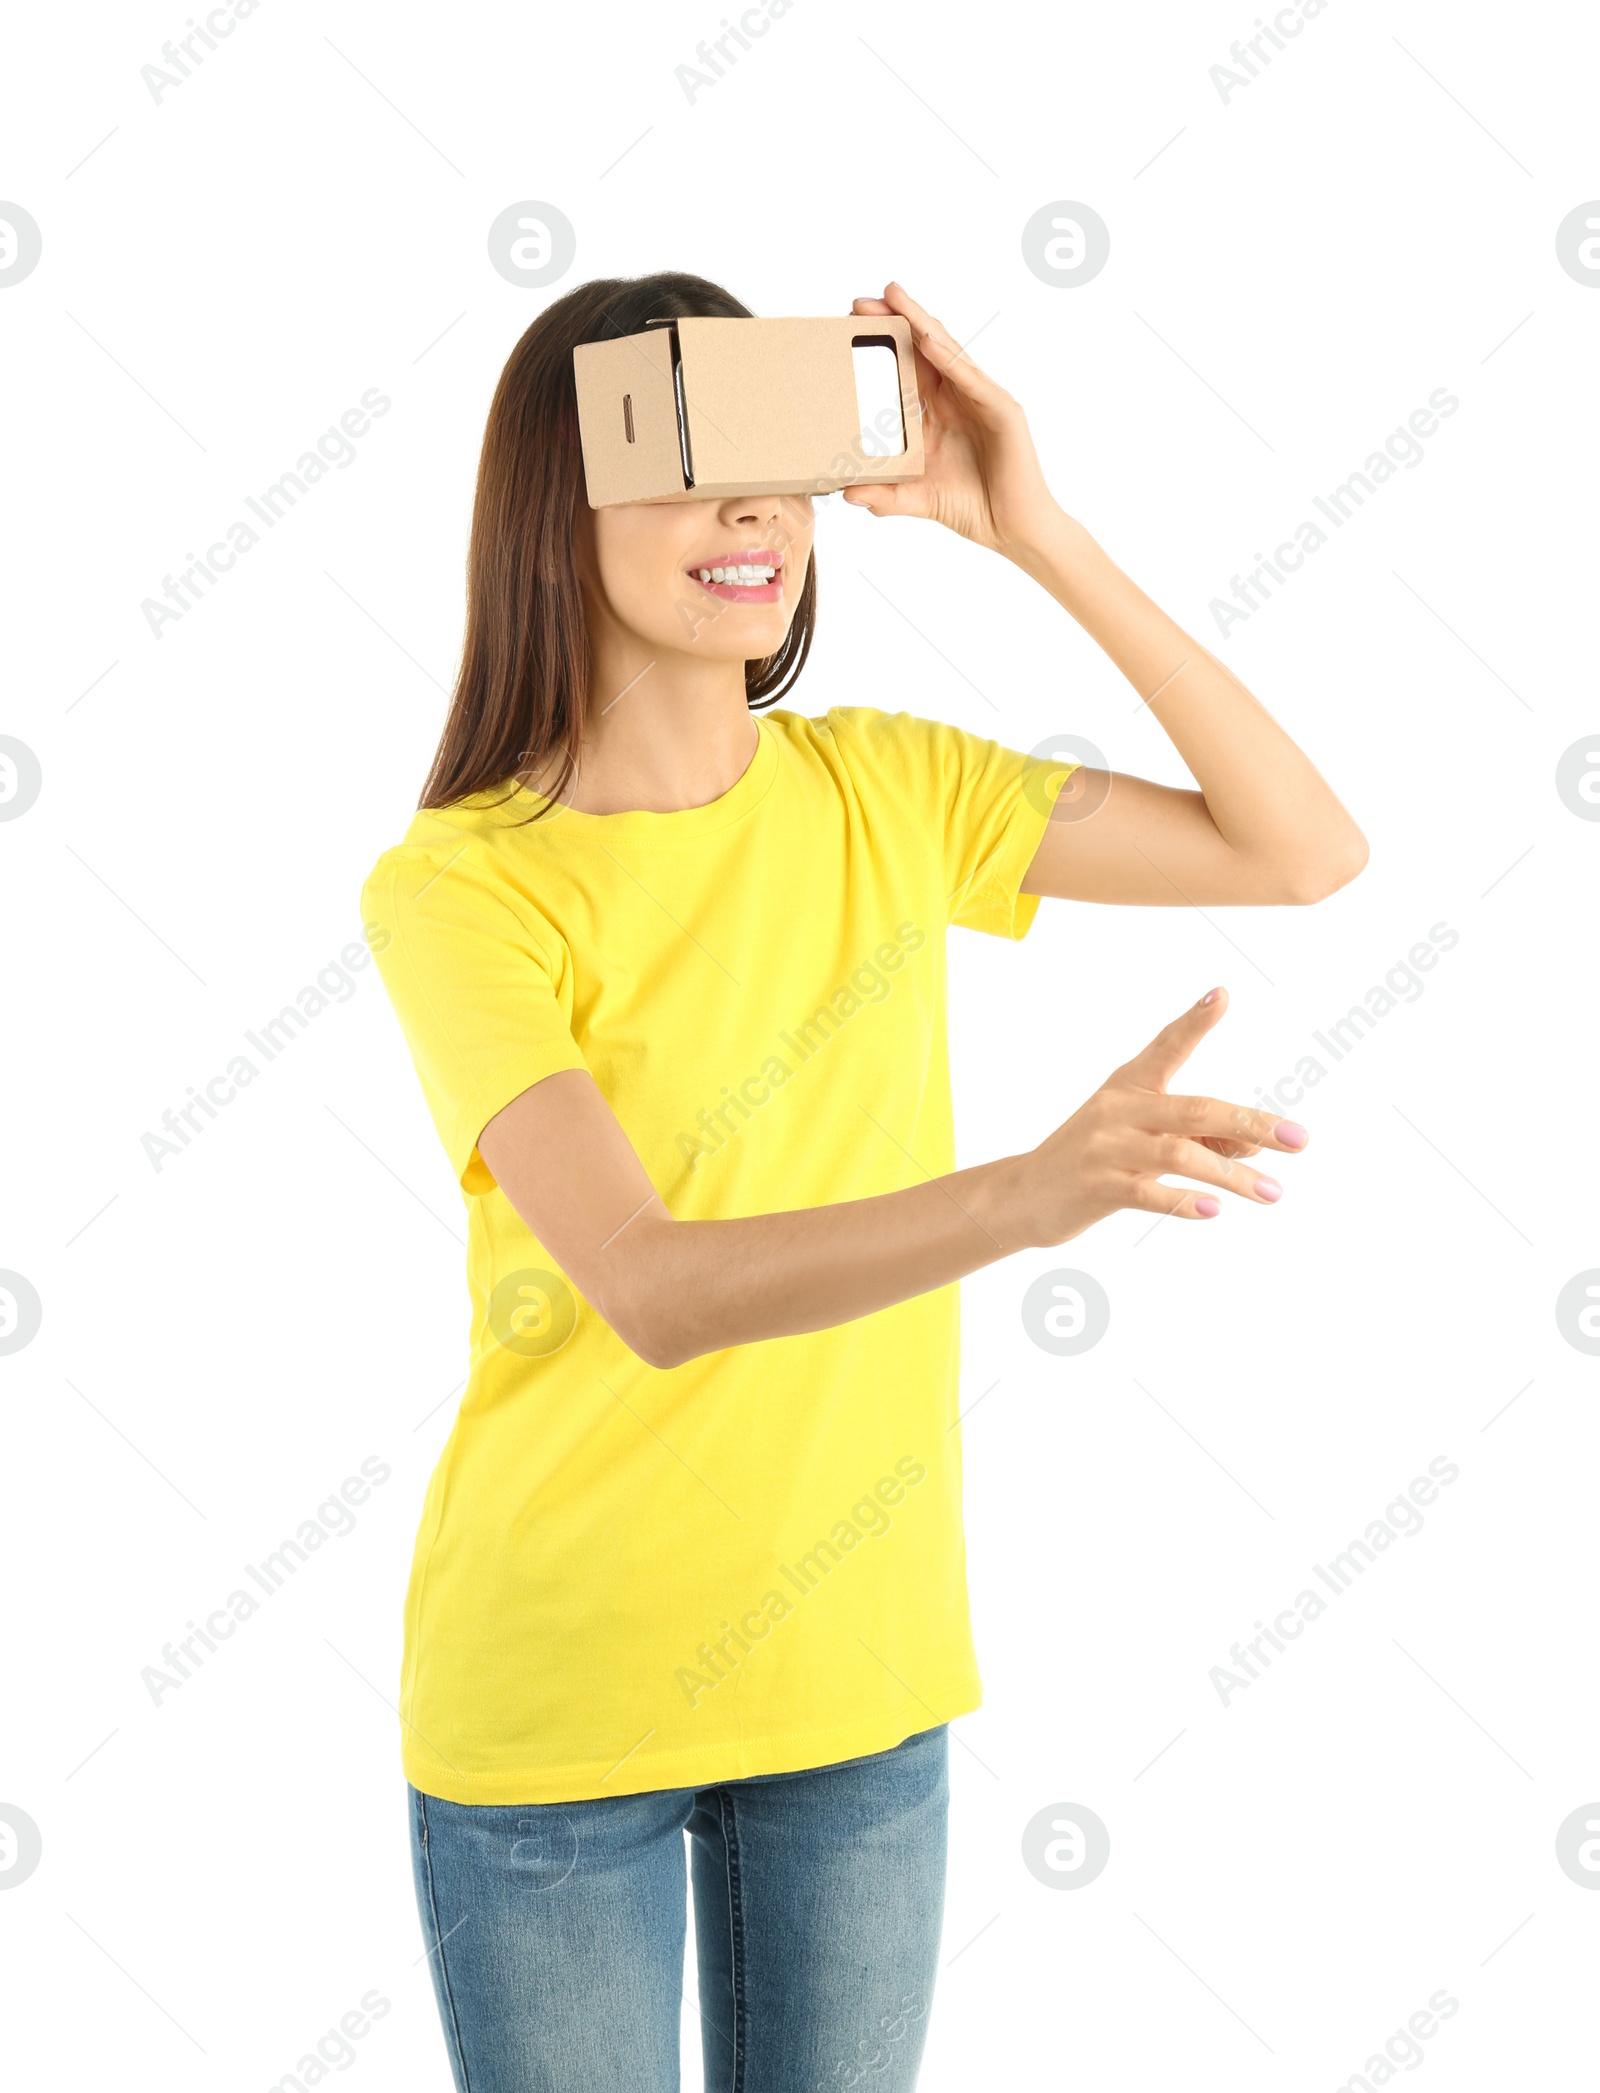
<point x="752" y="512"/>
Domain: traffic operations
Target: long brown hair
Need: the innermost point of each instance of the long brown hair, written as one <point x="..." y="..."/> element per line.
<point x="523" y="686"/>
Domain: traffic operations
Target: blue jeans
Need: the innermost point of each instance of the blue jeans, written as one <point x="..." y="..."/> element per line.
<point x="556" y="1930"/>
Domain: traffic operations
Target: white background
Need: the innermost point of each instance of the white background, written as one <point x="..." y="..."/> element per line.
<point x="1291" y="273"/>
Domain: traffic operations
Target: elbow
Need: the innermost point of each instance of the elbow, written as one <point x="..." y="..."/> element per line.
<point x="644" y="1338"/>
<point x="659" y="1349"/>
<point x="1325" y="874"/>
<point x="656" y="1337"/>
<point x="646" y="1295"/>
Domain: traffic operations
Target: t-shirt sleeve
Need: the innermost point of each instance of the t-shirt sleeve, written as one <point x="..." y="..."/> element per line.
<point x="480" y="988"/>
<point x="987" y="806"/>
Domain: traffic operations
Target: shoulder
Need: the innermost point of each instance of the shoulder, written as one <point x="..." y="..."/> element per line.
<point x="458" y="861"/>
<point x="865" y="738"/>
<point x="853" y="722"/>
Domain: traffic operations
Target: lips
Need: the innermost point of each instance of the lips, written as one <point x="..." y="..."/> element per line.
<point x="752" y="574"/>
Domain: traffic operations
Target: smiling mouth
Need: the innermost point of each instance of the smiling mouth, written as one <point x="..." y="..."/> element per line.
<point x="751" y="575"/>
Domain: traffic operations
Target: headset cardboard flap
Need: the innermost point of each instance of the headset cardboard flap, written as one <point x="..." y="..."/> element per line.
<point x="700" y="409"/>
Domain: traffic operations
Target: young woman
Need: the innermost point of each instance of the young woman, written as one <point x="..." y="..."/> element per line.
<point x="672" y="971"/>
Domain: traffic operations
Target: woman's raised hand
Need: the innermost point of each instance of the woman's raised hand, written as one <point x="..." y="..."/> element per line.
<point x="981" y="473"/>
<point x="1115" y="1149"/>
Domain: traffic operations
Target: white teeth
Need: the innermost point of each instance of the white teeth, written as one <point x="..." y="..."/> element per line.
<point x="743" y="575"/>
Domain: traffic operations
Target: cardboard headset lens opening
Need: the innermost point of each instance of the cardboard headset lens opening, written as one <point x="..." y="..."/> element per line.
<point x="702" y="409"/>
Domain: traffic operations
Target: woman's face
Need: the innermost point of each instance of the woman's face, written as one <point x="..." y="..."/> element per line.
<point x="648" y="559"/>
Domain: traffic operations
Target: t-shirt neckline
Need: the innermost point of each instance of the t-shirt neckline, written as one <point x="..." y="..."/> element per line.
<point x="680" y="823"/>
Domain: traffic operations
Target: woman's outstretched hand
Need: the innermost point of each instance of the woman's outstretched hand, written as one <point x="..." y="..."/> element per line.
<point x="674" y="1290"/>
<point x="1115" y="1149"/>
<point x="981" y="473"/>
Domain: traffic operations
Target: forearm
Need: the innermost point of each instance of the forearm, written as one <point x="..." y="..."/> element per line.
<point x="1262" y="792"/>
<point x="677" y="1289"/>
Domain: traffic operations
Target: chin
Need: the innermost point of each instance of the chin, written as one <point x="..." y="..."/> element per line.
<point x="742" y="639"/>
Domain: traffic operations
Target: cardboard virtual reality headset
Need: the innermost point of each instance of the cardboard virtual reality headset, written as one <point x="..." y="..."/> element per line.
<point x="700" y="409"/>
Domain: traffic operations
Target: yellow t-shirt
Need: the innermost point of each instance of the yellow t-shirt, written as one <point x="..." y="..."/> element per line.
<point x="626" y="1578"/>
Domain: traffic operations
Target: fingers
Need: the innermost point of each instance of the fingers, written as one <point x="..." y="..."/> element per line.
<point x="942" y="352"/>
<point x="900" y="300"/>
<point x="1140" y="1134"/>
<point x="1150" y="1196"/>
<point x="1230" y="1130"/>
<point x="1190" y="1159"/>
<point x="1155" y="1067"/>
<point x="899" y="498"/>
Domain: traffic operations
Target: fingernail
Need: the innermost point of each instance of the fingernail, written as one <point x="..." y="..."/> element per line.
<point x="1290" y="1134"/>
<point x="1210" y="996"/>
<point x="1208" y="1207"/>
<point x="1268" y="1188"/>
